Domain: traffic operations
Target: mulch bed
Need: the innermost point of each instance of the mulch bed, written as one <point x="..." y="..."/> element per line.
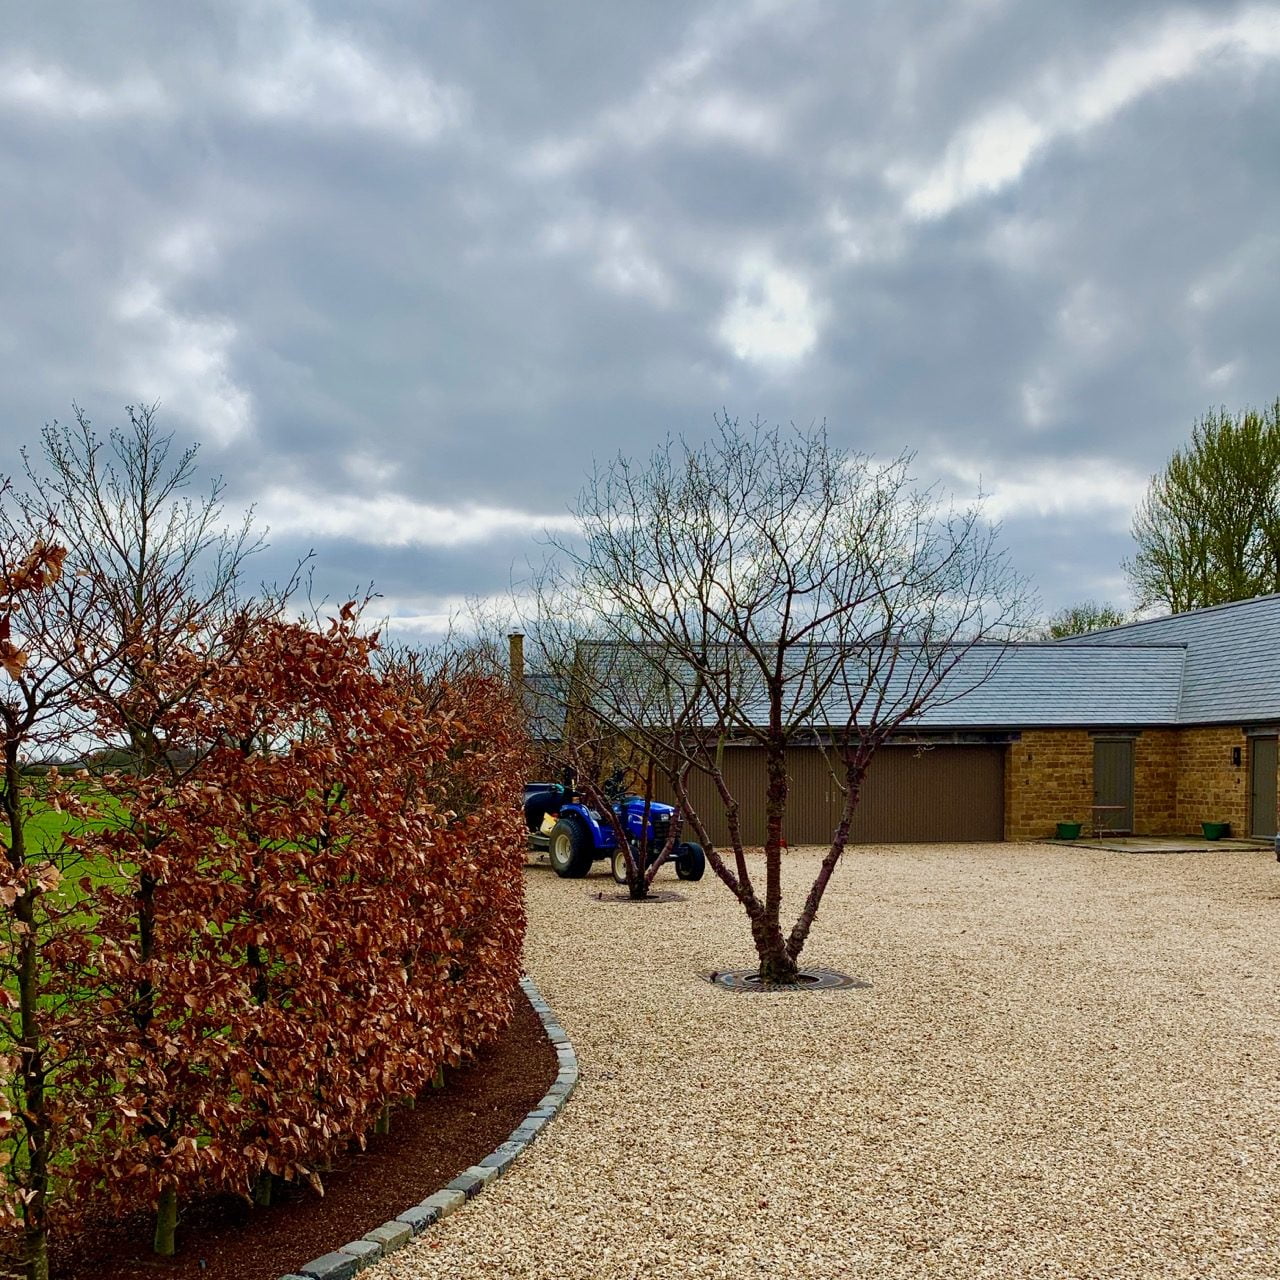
<point x="226" y="1239"/>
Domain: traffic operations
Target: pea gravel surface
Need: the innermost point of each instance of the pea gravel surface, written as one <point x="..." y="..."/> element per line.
<point x="1066" y="1066"/>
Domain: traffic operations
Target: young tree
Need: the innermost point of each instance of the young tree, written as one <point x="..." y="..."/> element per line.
<point x="166" y="577"/>
<point x="617" y="717"/>
<point x="1077" y="619"/>
<point x="1208" y="529"/>
<point x="773" y="589"/>
<point x="33" y="707"/>
<point x="166" y="565"/>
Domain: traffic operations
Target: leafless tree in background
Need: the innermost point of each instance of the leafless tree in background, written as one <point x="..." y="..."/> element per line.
<point x="770" y="588"/>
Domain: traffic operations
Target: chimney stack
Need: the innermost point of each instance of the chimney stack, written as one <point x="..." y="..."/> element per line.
<point x="515" y="651"/>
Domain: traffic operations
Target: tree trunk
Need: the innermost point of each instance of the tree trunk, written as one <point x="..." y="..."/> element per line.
<point x="855" y="773"/>
<point x="776" y="962"/>
<point x="166" y="1237"/>
<point x="262" y="1189"/>
<point x="37" y="1255"/>
<point x="35" y="1111"/>
<point x="775" y="764"/>
<point x="145" y="994"/>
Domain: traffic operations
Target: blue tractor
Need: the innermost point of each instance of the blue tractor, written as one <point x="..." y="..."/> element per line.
<point x="574" y="835"/>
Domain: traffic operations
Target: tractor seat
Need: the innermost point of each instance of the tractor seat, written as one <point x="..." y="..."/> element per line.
<point x="539" y="804"/>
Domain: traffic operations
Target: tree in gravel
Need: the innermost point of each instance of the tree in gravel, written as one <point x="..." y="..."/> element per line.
<point x="1208" y="529"/>
<point x="1077" y="619"/>
<point x="770" y="588"/>
<point x="616" y="717"/>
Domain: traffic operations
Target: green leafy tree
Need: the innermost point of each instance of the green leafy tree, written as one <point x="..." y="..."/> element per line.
<point x="1076" y="619"/>
<point x="1208" y="530"/>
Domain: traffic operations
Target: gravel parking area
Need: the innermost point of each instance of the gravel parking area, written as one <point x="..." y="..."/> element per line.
<point x="1066" y="1066"/>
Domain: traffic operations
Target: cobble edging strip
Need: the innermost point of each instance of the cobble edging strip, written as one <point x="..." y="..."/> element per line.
<point x="349" y="1260"/>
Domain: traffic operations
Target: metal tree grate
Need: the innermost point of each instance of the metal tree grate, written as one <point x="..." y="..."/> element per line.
<point x="807" y="980"/>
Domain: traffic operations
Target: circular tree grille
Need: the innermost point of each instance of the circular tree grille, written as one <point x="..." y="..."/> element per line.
<point x="806" y="980"/>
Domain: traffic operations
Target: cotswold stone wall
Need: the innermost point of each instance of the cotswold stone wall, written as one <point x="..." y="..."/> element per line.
<point x="1048" y="778"/>
<point x="1210" y="787"/>
<point x="1181" y="778"/>
<point x="1155" y="783"/>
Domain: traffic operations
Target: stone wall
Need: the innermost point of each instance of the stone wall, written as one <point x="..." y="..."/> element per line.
<point x="1181" y="778"/>
<point x="1210" y="787"/>
<point x="1048" y="778"/>
<point x="1155" y="783"/>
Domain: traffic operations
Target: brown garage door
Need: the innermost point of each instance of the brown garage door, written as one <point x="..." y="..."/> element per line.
<point x="942" y="793"/>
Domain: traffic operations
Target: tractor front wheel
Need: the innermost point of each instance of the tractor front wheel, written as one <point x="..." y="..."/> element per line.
<point x="691" y="862"/>
<point x="619" y="867"/>
<point x="570" y="850"/>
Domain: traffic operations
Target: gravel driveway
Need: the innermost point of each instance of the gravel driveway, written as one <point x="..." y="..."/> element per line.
<point x="1067" y="1066"/>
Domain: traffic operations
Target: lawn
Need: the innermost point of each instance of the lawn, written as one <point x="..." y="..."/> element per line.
<point x="1066" y="1066"/>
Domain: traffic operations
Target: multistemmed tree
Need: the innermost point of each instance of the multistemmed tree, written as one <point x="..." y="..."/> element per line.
<point x="771" y="586"/>
<point x="617" y="714"/>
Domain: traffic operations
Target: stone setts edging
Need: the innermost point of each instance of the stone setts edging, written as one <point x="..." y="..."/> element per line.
<point x="351" y="1259"/>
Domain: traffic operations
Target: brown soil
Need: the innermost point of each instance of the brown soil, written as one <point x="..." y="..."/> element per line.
<point x="226" y="1239"/>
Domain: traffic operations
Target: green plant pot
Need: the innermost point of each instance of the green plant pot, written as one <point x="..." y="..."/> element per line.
<point x="1215" y="830"/>
<point x="1069" y="830"/>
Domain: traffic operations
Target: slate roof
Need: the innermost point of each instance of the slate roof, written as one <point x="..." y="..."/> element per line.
<point x="543" y="707"/>
<point x="1050" y="684"/>
<point x="1027" y="685"/>
<point x="1233" y="658"/>
<point x="1210" y="666"/>
<point x="991" y="686"/>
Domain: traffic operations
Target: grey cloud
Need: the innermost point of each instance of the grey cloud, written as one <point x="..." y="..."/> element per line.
<point x="335" y="302"/>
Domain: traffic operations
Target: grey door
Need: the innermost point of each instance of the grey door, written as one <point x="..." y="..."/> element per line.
<point x="1262" y="799"/>
<point x="1113" y="782"/>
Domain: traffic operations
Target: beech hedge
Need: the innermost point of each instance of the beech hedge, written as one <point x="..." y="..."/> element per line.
<point x="303" y="905"/>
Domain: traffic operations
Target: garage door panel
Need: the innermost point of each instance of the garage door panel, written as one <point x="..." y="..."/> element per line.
<point x="936" y="794"/>
<point x="943" y="793"/>
<point x="744" y="775"/>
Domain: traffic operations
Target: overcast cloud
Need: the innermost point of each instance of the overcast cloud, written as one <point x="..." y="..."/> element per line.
<point x="405" y="267"/>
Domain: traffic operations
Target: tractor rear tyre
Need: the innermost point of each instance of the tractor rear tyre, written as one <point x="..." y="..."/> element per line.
<point x="570" y="850"/>
<point x="691" y="862"/>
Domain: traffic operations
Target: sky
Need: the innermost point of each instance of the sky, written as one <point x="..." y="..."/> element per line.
<point x="405" y="268"/>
